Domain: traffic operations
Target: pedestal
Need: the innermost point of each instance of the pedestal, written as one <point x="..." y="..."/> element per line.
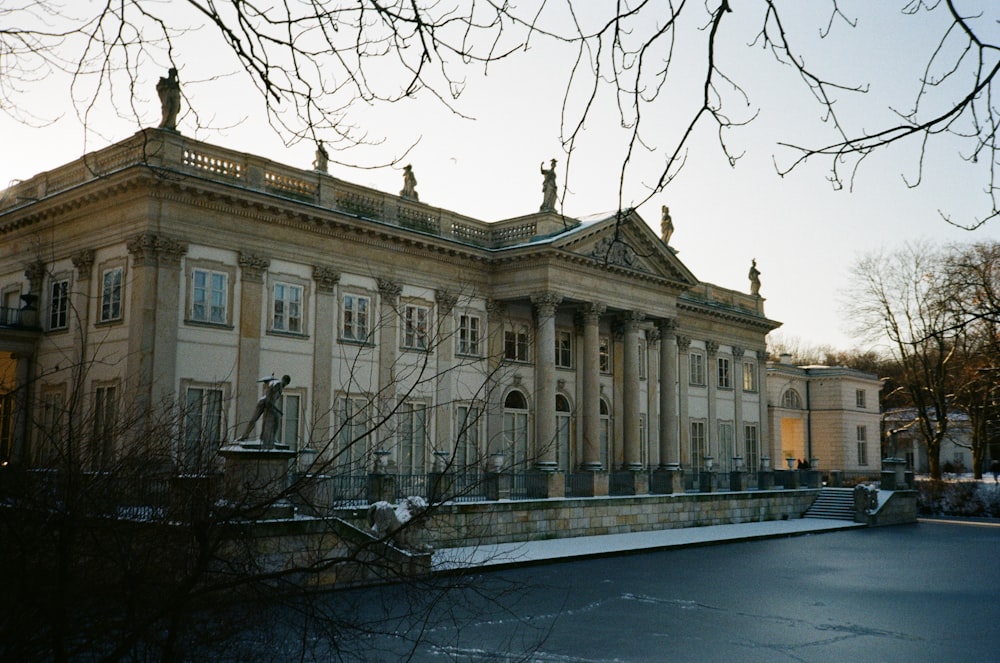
<point x="738" y="481"/>
<point x="496" y="485"/>
<point x="706" y="481"/>
<point x="253" y="477"/>
<point x="765" y="480"/>
<point x="590" y="483"/>
<point x="381" y="487"/>
<point x="667" y="481"/>
<point x="439" y="486"/>
<point x="629" y="482"/>
<point x="544" y="483"/>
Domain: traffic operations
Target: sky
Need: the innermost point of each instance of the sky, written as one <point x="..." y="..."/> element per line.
<point x="803" y="233"/>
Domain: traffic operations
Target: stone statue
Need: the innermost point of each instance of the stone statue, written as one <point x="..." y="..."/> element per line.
<point x="322" y="161"/>
<point x="409" y="184"/>
<point x="269" y="411"/>
<point x="397" y="523"/>
<point x="549" y="191"/>
<point x="666" y="224"/>
<point x="169" y="90"/>
<point x="754" y="277"/>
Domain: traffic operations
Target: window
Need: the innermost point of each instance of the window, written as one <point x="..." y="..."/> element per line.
<point x="750" y="441"/>
<point x="515" y="343"/>
<point x="59" y="304"/>
<point x="104" y="410"/>
<point x="859" y="398"/>
<point x="515" y="429"/>
<point x="412" y="437"/>
<point x="291" y="417"/>
<point x="564" y="349"/>
<point x="725" y="377"/>
<point x="791" y="400"/>
<point x="111" y="294"/>
<point x="562" y="432"/>
<point x="749" y="376"/>
<point x="696" y="363"/>
<point x="699" y="445"/>
<point x="287" y="309"/>
<point x="862" y="433"/>
<point x="209" y="296"/>
<point x="416" y="320"/>
<point x="605" y="435"/>
<point x="203" y="427"/>
<point x="51" y="431"/>
<point x="469" y="327"/>
<point x="355" y="318"/>
<point x="353" y="432"/>
<point x="467" y="441"/>
<point x="726" y="446"/>
<point x="604" y="355"/>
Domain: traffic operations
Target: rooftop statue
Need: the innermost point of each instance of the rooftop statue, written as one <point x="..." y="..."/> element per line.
<point x="666" y="224"/>
<point x="322" y="161"/>
<point x="409" y="184"/>
<point x="754" y="277"/>
<point x="549" y="191"/>
<point x="169" y="90"/>
<point x="269" y="411"/>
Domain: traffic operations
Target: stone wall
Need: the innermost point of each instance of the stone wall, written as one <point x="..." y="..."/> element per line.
<point x="465" y="524"/>
<point x="899" y="508"/>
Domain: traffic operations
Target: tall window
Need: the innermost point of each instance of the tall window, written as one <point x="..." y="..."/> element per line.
<point x="291" y="420"/>
<point x="416" y="320"/>
<point x="515" y="429"/>
<point x="355" y="318"/>
<point x="726" y="445"/>
<point x="353" y="432"/>
<point x="209" y="296"/>
<point x="203" y="427"/>
<point x="469" y="327"/>
<point x="287" y="308"/>
<point x="104" y="415"/>
<point x="412" y="437"/>
<point x="111" y="294"/>
<point x="699" y="445"/>
<point x="696" y="364"/>
<point x="564" y="349"/>
<point x="725" y="376"/>
<point x="749" y="376"/>
<point x="606" y="441"/>
<point x="604" y="355"/>
<point x="59" y="304"/>
<point x="515" y="343"/>
<point x="859" y="398"/>
<point x="562" y="432"/>
<point x="467" y="452"/>
<point x="50" y="445"/>
<point x="752" y="445"/>
<point x="862" y="445"/>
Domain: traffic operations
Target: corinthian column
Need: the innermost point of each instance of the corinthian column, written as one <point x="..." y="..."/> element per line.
<point x="630" y="389"/>
<point x="590" y="409"/>
<point x="545" y="387"/>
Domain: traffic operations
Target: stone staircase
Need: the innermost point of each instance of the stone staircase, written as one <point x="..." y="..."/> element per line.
<point x="833" y="504"/>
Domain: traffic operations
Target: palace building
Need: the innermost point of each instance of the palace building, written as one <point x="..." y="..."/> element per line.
<point x="163" y="274"/>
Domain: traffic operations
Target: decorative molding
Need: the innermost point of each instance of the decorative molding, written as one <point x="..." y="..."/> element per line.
<point x="615" y="251"/>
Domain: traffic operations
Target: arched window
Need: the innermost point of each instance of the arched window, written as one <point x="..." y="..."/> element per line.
<point x="562" y="432"/>
<point x="791" y="400"/>
<point x="515" y="429"/>
<point x="606" y="441"/>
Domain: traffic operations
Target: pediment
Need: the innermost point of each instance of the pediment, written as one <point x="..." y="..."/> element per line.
<point x="626" y="242"/>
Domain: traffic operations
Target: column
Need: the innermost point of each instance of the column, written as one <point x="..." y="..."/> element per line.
<point x="388" y="342"/>
<point x="545" y="379"/>
<point x="630" y="389"/>
<point x="763" y="434"/>
<point x="252" y="270"/>
<point x="495" y="312"/>
<point x="669" y="477"/>
<point x="712" y="378"/>
<point x="683" y="384"/>
<point x="590" y="408"/>
<point x="739" y="447"/>
<point x="84" y="264"/>
<point x="324" y="337"/>
<point x="444" y="348"/>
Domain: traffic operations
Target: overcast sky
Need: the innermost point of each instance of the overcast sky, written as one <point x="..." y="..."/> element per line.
<point x="803" y="233"/>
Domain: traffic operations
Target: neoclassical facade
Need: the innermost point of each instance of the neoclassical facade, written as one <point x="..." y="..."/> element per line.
<point x="181" y="273"/>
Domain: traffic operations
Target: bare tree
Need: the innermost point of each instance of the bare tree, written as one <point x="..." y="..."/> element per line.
<point x="901" y="298"/>
<point x="644" y="61"/>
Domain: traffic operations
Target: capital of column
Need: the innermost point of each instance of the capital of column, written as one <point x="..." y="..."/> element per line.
<point x="683" y="343"/>
<point x="546" y="303"/>
<point x="150" y="248"/>
<point x="252" y="267"/>
<point x="761" y="354"/>
<point x="667" y="326"/>
<point x="84" y="263"/>
<point x="446" y="300"/>
<point x="631" y="319"/>
<point x="35" y="272"/>
<point x="712" y="347"/>
<point x="495" y="307"/>
<point x="592" y="311"/>
<point x="737" y="352"/>
<point x="389" y="288"/>
<point x="326" y="278"/>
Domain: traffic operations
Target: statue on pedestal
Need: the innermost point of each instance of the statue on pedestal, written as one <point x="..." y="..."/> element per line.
<point x="268" y="410"/>
<point x="549" y="190"/>
<point x="169" y="91"/>
<point x="409" y="184"/>
<point x="754" y="276"/>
